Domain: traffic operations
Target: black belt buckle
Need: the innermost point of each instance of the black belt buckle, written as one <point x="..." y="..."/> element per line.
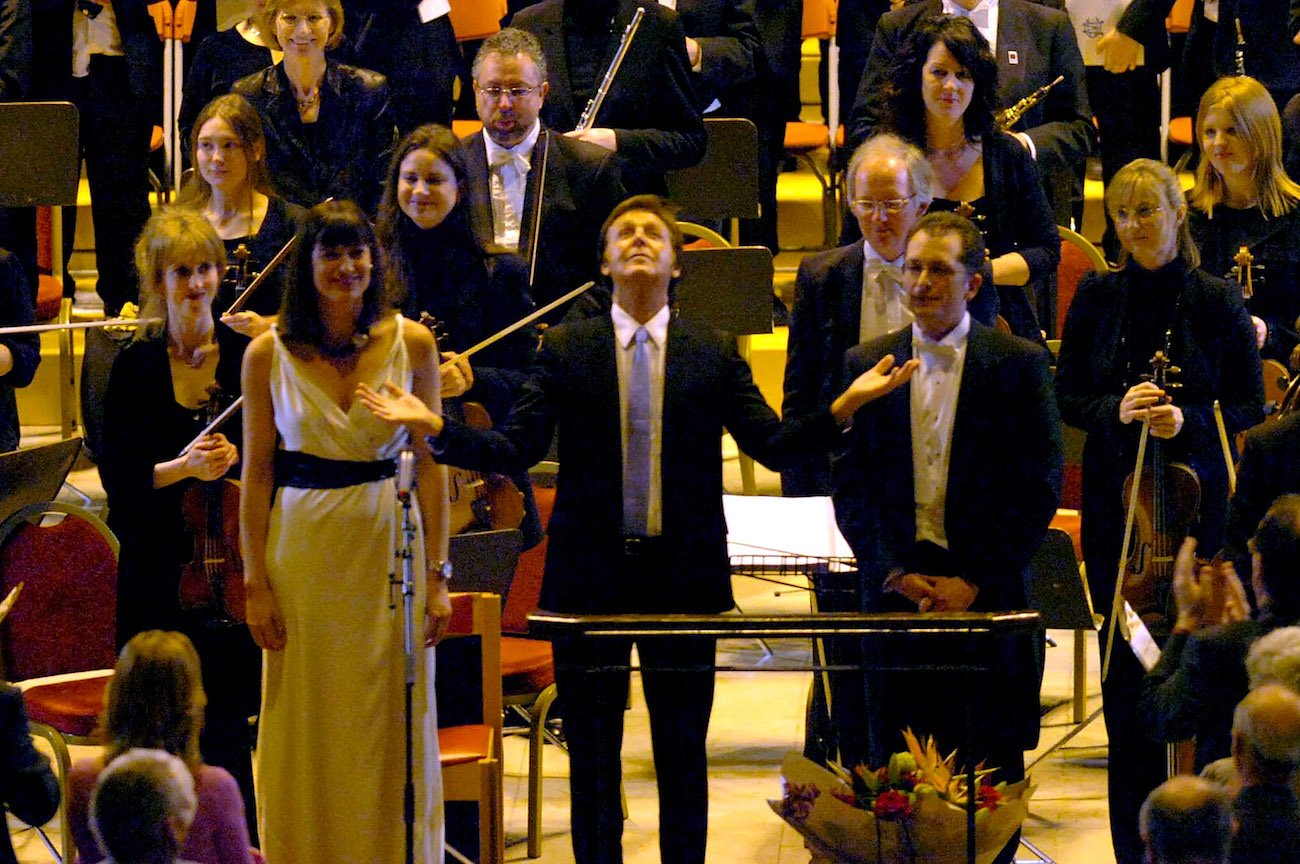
<point x="638" y="546"/>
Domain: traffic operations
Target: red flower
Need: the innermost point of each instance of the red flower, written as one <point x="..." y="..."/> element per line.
<point x="892" y="806"/>
<point x="846" y="796"/>
<point x="989" y="797"/>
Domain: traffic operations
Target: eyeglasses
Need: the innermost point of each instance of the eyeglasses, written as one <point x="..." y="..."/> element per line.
<point x="515" y="93"/>
<point x="887" y="207"/>
<point x="1143" y="215"/>
<point x="938" y="271"/>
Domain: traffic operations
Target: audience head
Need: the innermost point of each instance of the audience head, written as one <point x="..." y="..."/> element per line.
<point x="1275" y="560"/>
<point x="1274" y="658"/>
<point x="943" y="271"/>
<point x="336" y="257"/>
<point x="1186" y="820"/>
<point x="509" y="85"/>
<point x="155" y="699"/>
<point x="228" y="149"/>
<point x="1146" y="203"/>
<point x="143" y="807"/>
<point x="1266" y="736"/>
<point x="641" y="247"/>
<point x="180" y="260"/>
<point x="889" y="189"/>
<point x="1240" y="135"/>
<point x="945" y="68"/>
<point x="304" y="26"/>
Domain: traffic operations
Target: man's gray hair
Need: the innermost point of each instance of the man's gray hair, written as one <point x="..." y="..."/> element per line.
<point x="919" y="172"/>
<point x="1275" y="659"/>
<point x="509" y="41"/>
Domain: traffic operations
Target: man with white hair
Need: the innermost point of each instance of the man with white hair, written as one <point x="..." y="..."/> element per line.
<point x="1266" y="750"/>
<point x="1186" y="820"/>
<point x="143" y="807"/>
<point x="1202" y="669"/>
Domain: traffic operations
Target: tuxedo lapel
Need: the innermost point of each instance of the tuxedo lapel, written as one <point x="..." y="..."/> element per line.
<point x="539" y="174"/>
<point x="896" y="453"/>
<point x="478" y="195"/>
<point x="1014" y="41"/>
<point x="966" y="450"/>
<point x="848" y="323"/>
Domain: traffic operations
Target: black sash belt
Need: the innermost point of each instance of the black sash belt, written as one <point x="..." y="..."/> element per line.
<point x="305" y="471"/>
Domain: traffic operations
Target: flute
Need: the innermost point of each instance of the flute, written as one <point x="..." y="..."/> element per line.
<point x="588" y="118"/>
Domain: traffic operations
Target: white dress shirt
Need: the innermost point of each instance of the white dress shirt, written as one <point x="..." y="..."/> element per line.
<point x="984" y="16"/>
<point x="508" y="169"/>
<point x="98" y="35"/>
<point x="884" y="307"/>
<point x="625" y="327"/>
<point x="934" y="407"/>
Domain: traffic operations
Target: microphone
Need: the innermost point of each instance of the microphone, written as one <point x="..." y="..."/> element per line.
<point x="405" y="474"/>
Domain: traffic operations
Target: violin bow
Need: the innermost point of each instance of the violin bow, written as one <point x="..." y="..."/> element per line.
<point x="1118" y="602"/>
<point x="79" y="325"/>
<point x="214" y="425"/>
<point x="238" y="305"/>
<point x="526" y="320"/>
<point x="535" y="230"/>
<point x="1223" y="444"/>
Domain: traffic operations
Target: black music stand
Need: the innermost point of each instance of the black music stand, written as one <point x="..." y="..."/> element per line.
<point x="484" y="561"/>
<point x="40" y="165"/>
<point x="35" y="475"/>
<point x="724" y="183"/>
<point x="983" y="628"/>
<point x="730" y="289"/>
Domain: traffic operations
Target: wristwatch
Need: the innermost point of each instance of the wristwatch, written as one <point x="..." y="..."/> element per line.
<point x="442" y="569"/>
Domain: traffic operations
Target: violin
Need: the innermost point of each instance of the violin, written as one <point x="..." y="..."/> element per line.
<point x="479" y="501"/>
<point x="1277" y="380"/>
<point x="1168" y="501"/>
<point x="212" y="583"/>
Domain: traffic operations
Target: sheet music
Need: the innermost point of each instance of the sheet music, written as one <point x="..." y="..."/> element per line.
<point x="790" y="527"/>
<point x="1092" y="19"/>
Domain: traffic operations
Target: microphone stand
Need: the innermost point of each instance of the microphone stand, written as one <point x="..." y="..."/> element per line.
<point x="405" y="582"/>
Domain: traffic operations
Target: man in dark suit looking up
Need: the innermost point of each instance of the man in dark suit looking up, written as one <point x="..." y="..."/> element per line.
<point x="1033" y="44"/>
<point x="650" y="116"/>
<point x="583" y="181"/>
<point x="944" y="490"/>
<point x="640" y="399"/>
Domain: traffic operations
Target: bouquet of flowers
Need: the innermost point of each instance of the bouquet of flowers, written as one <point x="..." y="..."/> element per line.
<point x="912" y="811"/>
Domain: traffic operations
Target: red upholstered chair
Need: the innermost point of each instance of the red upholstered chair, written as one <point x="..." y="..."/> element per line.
<point x="58" y="643"/>
<point x="471" y="755"/>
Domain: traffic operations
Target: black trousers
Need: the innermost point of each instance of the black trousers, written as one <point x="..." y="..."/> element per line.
<point x="114" y="141"/>
<point x="679" y="703"/>
<point x="1127" y="108"/>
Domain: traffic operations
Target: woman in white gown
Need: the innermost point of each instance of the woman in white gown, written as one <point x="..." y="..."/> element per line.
<point x="320" y="526"/>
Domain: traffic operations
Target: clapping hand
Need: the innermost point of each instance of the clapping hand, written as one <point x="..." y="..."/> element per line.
<point x="394" y="405"/>
<point x="1206" y="594"/>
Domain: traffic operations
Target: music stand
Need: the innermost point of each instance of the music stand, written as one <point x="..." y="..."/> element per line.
<point x="484" y="561"/>
<point x="40" y="165"/>
<point x="980" y="628"/>
<point x="724" y="183"/>
<point x="35" y="475"/>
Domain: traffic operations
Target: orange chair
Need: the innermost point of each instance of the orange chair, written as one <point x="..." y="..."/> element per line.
<point x="802" y="140"/>
<point x="476" y="19"/>
<point x="1078" y="258"/>
<point x="471" y="755"/>
<point x="58" y="642"/>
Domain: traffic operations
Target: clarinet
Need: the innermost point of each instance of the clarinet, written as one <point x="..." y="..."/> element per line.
<point x="1239" y="55"/>
<point x="588" y="118"/>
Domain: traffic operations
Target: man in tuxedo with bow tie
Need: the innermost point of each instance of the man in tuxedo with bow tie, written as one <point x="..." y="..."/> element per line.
<point x="854" y="293"/>
<point x="583" y="181"/>
<point x="944" y="490"/>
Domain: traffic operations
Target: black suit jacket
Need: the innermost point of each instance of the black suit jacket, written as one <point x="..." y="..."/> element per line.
<point x="1002" y="492"/>
<point x="353" y="135"/>
<point x="1268" y="825"/>
<point x="1197" y="684"/>
<point x="583" y="184"/>
<point x="52" y="51"/>
<point x="824" y="325"/>
<point x="15" y="49"/>
<point x="27" y="785"/>
<point x="1043" y="43"/>
<point x="651" y="104"/>
<point x="707" y="387"/>
<point x="731" y="54"/>
<point x="1268" y="468"/>
<point x="15" y="309"/>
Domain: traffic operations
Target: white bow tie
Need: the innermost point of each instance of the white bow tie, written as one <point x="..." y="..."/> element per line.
<point x="876" y="268"/>
<point x="938" y="353"/>
<point x="502" y="158"/>
<point x="979" y="16"/>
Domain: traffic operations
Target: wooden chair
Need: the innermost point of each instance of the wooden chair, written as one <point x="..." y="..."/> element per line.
<point x="471" y="754"/>
<point x="58" y="641"/>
